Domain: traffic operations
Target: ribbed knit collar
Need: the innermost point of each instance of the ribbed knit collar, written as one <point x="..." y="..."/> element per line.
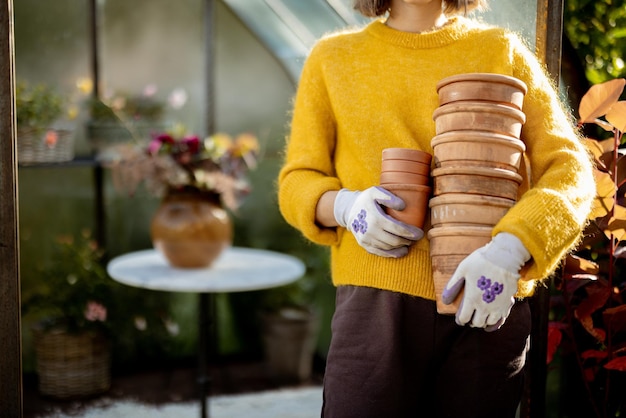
<point x="456" y="28"/>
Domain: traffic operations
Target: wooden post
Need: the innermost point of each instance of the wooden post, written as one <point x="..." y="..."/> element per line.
<point x="549" y="34"/>
<point x="10" y="319"/>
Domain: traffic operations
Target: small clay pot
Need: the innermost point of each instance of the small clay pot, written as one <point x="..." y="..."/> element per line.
<point x="448" y="247"/>
<point x="476" y="148"/>
<point x="485" y="181"/>
<point x="416" y="199"/>
<point x="497" y="88"/>
<point x="409" y="166"/>
<point x="461" y="209"/>
<point x="468" y="116"/>
<point x="407" y="154"/>
<point x="403" y="177"/>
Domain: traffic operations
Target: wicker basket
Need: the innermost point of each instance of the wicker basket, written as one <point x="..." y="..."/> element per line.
<point x="44" y="146"/>
<point x="72" y="365"/>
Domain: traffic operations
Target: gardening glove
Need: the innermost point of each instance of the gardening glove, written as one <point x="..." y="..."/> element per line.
<point x="490" y="276"/>
<point x="378" y="233"/>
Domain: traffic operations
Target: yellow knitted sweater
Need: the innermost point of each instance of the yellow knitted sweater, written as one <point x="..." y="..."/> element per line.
<point x="365" y="90"/>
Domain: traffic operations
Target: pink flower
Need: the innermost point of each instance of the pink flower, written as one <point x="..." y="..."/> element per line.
<point x="95" y="312"/>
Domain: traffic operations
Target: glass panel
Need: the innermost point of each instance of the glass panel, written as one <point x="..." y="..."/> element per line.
<point x="518" y="15"/>
<point x="290" y="27"/>
<point x="155" y="49"/>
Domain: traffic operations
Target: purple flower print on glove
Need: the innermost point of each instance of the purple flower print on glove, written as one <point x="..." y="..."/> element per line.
<point x="359" y="224"/>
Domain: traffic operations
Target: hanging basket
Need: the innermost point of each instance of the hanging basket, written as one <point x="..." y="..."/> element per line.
<point x="44" y="145"/>
<point x="72" y="365"/>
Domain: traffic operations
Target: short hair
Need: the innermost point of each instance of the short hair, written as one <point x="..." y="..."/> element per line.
<point x="375" y="8"/>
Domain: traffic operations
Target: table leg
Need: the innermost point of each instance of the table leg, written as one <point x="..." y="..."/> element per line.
<point x="206" y="322"/>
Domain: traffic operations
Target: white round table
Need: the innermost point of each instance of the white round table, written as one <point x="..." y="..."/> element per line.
<point x="235" y="270"/>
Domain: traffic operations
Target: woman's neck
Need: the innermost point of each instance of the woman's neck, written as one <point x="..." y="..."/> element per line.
<point x="417" y="16"/>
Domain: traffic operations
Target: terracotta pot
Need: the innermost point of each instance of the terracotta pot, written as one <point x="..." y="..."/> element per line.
<point x="475" y="148"/>
<point x="448" y="247"/>
<point x="461" y="209"/>
<point x="406" y="165"/>
<point x="191" y="229"/>
<point x="490" y="87"/>
<point x="467" y="116"/>
<point x="407" y="154"/>
<point x="403" y="177"/>
<point x="493" y="182"/>
<point x="416" y="199"/>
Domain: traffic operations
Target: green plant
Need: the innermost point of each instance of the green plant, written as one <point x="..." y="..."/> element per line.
<point x="126" y="108"/>
<point x="37" y="106"/>
<point x="76" y="293"/>
<point x="589" y="307"/>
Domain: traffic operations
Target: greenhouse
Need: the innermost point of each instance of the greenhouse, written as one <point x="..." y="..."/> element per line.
<point x="92" y="92"/>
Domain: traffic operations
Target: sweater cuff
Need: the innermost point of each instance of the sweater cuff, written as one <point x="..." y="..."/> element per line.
<point x="298" y="205"/>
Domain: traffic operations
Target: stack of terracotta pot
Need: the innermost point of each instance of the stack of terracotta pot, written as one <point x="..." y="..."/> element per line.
<point x="477" y="154"/>
<point x="405" y="172"/>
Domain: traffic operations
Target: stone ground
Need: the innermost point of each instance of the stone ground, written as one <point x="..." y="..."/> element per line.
<point x="157" y="386"/>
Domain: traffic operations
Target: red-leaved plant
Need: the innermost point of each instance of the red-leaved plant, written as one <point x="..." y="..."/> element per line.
<point x="588" y="310"/>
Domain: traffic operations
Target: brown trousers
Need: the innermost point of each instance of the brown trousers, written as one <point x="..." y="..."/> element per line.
<point x="393" y="356"/>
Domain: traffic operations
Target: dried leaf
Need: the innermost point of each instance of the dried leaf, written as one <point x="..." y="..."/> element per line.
<point x="616" y="116"/>
<point x="598" y="293"/>
<point x="605" y="195"/>
<point x="576" y="265"/>
<point x="596" y="354"/>
<point x="617" y="224"/>
<point x="618" y="364"/>
<point x="615" y="318"/>
<point x="599" y="99"/>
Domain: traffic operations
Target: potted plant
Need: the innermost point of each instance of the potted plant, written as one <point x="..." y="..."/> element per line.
<point x="587" y="328"/>
<point x="39" y="108"/>
<point x="71" y="336"/>
<point x="120" y="117"/>
<point x="199" y="180"/>
<point x="289" y="326"/>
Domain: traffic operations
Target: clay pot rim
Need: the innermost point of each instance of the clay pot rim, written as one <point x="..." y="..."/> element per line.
<point x="473" y="136"/>
<point x="472" y="106"/>
<point x="456" y="231"/>
<point x="478" y="171"/>
<point x="463" y="198"/>
<point x="403" y="186"/>
<point x="488" y="77"/>
<point x="410" y="154"/>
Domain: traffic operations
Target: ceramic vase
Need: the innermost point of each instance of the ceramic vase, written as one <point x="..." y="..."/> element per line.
<point x="190" y="228"/>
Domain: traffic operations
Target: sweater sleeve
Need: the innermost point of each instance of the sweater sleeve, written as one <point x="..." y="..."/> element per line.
<point x="308" y="171"/>
<point x="550" y="216"/>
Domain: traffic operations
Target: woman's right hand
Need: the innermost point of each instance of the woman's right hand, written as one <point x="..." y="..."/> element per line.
<point x="378" y="233"/>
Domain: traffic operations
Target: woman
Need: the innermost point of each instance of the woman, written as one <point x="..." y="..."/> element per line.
<point x="362" y="91"/>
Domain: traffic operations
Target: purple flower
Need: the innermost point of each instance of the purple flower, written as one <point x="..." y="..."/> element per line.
<point x="489" y="296"/>
<point x="483" y="283"/>
<point x="192" y="143"/>
<point x="359" y="224"/>
<point x="497" y="288"/>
